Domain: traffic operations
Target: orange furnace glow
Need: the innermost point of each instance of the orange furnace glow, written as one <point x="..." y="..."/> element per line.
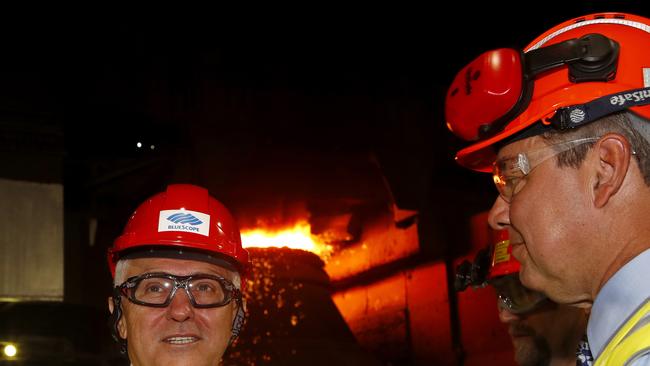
<point x="297" y="237"/>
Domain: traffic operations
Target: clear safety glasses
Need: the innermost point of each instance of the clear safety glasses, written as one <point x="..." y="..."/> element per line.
<point x="514" y="297"/>
<point x="158" y="289"/>
<point x="508" y="173"/>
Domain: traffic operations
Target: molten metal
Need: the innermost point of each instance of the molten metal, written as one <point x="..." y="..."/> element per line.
<point x="297" y="237"/>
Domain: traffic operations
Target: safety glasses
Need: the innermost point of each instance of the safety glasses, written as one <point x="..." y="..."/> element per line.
<point x="509" y="173"/>
<point x="516" y="298"/>
<point x="159" y="289"/>
<point x="497" y="86"/>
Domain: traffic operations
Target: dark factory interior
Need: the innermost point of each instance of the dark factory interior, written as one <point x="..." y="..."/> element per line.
<point x="328" y="119"/>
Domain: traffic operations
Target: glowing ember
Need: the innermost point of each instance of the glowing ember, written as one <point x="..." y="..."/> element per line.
<point x="296" y="237"/>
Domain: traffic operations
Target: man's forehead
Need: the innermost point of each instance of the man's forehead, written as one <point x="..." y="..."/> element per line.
<point x="179" y="267"/>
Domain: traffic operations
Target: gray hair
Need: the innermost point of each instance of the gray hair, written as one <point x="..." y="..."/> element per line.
<point x="122" y="265"/>
<point x="634" y="128"/>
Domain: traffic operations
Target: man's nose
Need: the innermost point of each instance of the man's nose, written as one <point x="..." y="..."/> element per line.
<point x="499" y="215"/>
<point x="180" y="309"/>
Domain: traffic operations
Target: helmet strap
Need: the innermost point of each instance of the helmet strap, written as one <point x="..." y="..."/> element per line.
<point x="581" y="114"/>
<point x="238" y="322"/>
<point x="114" y="319"/>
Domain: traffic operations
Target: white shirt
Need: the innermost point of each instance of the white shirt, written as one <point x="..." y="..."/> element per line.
<point x="621" y="296"/>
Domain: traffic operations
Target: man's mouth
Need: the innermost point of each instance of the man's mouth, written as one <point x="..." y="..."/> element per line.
<point x="179" y="340"/>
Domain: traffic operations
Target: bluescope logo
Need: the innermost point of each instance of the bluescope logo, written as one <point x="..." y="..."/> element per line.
<point x="184" y="220"/>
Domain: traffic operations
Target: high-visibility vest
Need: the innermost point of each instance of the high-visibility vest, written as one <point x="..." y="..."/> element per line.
<point x="631" y="341"/>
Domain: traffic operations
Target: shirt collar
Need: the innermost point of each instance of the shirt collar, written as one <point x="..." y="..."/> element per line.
<point x="621" y="295"/>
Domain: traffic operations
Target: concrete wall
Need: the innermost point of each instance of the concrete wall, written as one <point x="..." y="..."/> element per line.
<point x="31" y="240"/>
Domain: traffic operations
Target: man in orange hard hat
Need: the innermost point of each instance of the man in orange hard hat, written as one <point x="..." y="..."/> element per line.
<point x="178" y="270"/>
<point x="563" y="127"/>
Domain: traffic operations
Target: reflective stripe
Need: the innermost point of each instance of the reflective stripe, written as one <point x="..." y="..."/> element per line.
<point x="626" y="22"/>
<point x="630" y="342"/>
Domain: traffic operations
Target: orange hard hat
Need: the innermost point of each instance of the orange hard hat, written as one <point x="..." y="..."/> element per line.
<point x="575" y="73"/>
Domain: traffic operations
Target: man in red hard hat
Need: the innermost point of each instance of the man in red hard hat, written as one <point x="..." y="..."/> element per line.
<point x="543" y="333"/>
<point x="564" y="128"/>
<point x="178" y="270"/>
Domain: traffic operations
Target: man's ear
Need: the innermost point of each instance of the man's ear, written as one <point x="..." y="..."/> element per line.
<point x="121" y="328"/>
<point x="111" y="306"/>
<point x="612" y="160"/>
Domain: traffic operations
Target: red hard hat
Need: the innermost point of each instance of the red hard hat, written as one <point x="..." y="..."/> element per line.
<point x="186" y="222"/>
<point x="502" y="261"/>
<point x="503" y="92"/>
<point x="503" y="275"/>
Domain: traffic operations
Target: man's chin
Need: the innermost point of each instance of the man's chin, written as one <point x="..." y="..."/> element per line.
<point x="530" y="351"/>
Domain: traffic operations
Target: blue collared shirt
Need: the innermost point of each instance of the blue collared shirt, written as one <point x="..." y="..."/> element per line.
<point x="621" y="296"/>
